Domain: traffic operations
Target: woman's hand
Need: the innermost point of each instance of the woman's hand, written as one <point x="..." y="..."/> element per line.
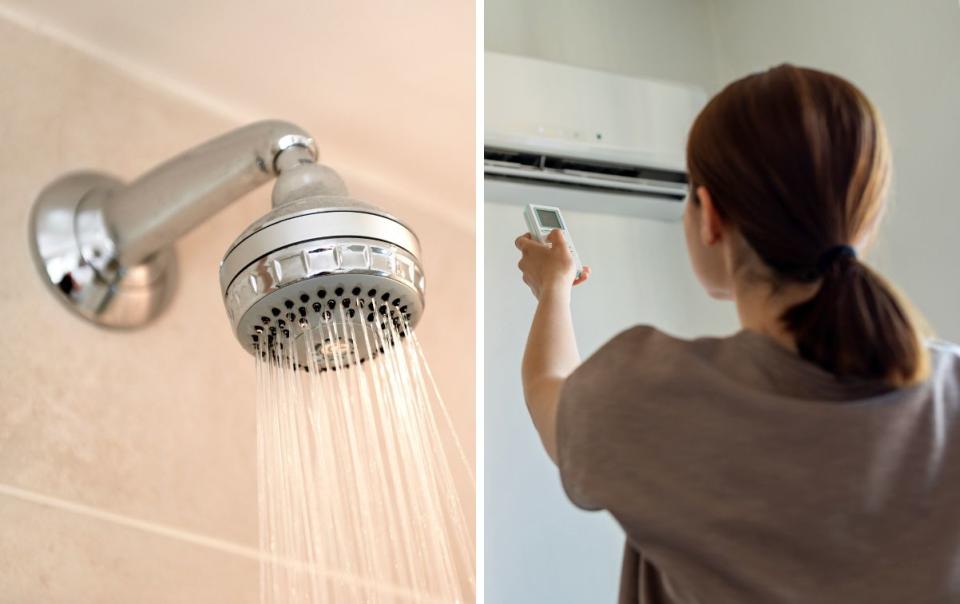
<point x="548" y="267"/>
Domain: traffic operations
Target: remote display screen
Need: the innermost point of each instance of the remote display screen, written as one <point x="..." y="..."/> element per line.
<point x="549" y="219"/>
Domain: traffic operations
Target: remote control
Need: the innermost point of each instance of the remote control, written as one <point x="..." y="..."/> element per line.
<point x="543" y="219"/>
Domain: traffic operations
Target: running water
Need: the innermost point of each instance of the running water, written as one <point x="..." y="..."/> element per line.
<point x="356" y="495"/>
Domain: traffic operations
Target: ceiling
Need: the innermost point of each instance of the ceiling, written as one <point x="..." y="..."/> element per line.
<point x="386" y="88"/>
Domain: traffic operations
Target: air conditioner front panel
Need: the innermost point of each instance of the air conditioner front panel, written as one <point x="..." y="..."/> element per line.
<point x="568" y="110"/>
<point x="585" y="139"/>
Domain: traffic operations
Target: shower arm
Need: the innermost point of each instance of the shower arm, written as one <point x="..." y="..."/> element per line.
<point x="159" y="207"/>
<point x="105" y="248"/>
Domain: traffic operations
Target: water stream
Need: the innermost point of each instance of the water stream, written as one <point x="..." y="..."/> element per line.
<point x="356" y="462"/>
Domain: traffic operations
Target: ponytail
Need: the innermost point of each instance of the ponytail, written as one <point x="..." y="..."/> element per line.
<point x="857" y="325"/>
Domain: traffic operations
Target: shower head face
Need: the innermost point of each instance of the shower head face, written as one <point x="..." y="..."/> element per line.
<point x="332" y="267"/>
<point x="343" y="289"/>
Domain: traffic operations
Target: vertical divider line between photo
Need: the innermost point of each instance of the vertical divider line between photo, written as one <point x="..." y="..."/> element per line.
<point x="479" y="447"/>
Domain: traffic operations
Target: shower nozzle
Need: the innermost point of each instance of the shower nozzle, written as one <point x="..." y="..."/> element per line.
<point x="318" y="260"/>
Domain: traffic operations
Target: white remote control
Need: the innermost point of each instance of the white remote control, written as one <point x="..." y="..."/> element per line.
<point x="543" y="219"/>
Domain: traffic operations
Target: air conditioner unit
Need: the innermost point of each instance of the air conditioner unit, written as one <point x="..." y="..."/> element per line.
<point x="585" y="140"/>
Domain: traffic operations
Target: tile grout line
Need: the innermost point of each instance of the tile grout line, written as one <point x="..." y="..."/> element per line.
<point x="221" y="545"/>
<point x="130" y="522"/>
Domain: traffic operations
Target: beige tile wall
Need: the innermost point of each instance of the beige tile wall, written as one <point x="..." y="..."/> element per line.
<point x="157" y="424"/>
<point x="50" y="556"/>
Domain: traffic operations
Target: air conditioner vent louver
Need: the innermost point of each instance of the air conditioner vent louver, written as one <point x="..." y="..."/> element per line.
<point x="507" y="157"/>
<point x="558" y="170"/>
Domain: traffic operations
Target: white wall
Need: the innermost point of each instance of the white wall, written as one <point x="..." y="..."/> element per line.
<point x="661" y="39"/>
<point x="906" y="57"/>
<point x="538" y="546"/>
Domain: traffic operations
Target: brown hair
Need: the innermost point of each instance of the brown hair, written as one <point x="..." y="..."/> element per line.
<point x="798" y="162"/>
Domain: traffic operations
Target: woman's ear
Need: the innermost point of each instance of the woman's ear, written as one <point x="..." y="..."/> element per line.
<point x="711" y="226"/>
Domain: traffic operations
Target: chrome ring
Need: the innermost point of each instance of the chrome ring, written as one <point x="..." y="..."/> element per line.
<point x="334" y="256"/>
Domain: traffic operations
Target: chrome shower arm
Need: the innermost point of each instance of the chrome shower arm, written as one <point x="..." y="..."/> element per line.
<point x="105" y="247"/>
<point x="159" y="207"/>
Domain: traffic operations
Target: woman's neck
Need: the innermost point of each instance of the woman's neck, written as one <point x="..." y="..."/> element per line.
<point x="760" y="309"/>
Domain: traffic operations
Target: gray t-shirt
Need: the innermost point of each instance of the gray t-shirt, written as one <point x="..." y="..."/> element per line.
<point x="741" y="472"/>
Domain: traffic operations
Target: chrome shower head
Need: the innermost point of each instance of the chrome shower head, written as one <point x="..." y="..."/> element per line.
<point x="319" y="259"/>
<point x="322" y="261"/>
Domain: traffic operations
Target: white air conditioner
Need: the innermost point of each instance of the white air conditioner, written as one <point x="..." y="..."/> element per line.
<point x="583" y="139"/>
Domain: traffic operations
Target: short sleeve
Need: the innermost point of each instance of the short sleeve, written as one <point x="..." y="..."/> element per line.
<point x="586" y="416"/>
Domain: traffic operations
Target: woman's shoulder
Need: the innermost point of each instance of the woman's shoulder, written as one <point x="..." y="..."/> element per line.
<point x="648" y="339"/>
<point x="626" y="346"/>
<point x="944" y="361"/>
<point x="944" y="349"/>
<point x="644" y="351"/>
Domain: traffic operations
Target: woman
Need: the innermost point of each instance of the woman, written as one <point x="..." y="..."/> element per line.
<point x="814" y="456"/>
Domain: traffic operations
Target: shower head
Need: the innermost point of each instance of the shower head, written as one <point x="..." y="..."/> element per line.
<point x="321" y="261"/>
<point x="320" y="266"/>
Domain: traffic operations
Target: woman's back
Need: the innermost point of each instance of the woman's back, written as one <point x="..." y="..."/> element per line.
<point x="744" y="473"/>
<point x="811" y="457"/>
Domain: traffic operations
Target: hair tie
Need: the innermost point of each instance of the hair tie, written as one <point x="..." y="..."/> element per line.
<point x="833" y="254"/>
